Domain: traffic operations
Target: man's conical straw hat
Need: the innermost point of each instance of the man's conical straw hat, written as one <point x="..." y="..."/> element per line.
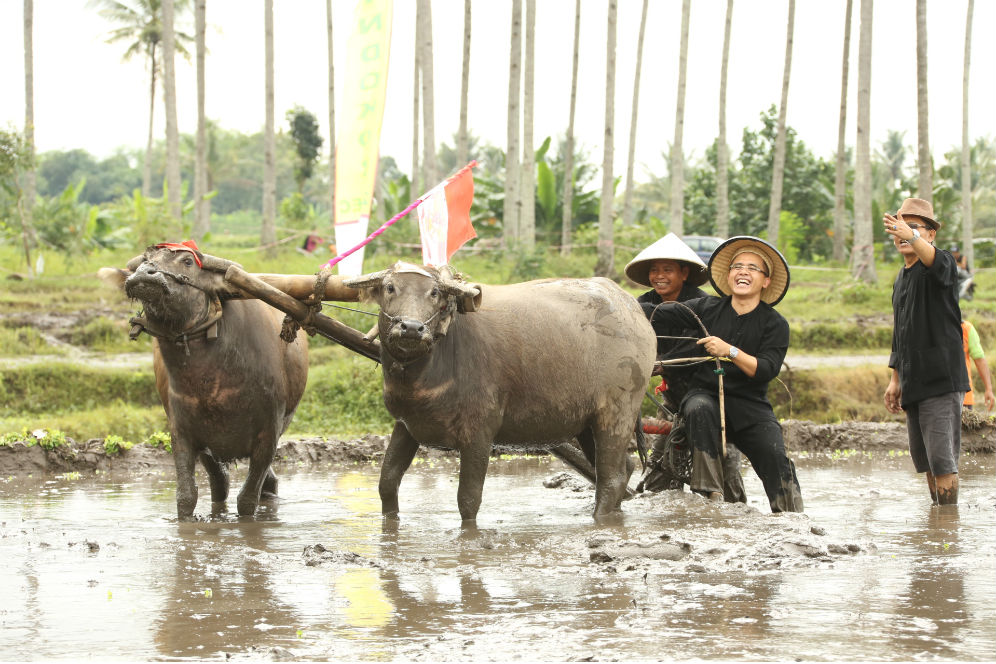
<point x="669" y="247"/>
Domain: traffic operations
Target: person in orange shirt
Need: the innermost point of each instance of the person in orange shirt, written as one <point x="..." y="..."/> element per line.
<point x="974" y="352"/>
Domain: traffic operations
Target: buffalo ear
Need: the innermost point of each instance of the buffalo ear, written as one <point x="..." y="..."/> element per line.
<point x="113" y="276"/>
<point x="471" y="301"/>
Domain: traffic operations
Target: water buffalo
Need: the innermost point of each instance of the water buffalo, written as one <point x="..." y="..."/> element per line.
<point x="227" y="381"/>
<point x="529" y="365"/>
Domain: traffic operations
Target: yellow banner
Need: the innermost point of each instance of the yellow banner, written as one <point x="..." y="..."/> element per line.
<point x="358" y="140"/>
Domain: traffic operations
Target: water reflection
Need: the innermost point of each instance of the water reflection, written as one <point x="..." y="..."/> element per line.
<point x="932" y="612"/>
<point x="215" y="601"/>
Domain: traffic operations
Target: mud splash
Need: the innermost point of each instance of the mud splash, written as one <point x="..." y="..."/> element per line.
<point x="96" y="566"/>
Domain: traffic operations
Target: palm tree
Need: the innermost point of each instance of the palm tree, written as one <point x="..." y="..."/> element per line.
<point x="892" y="152"/>
<point x="863" y="253"/>
<point x="202" y="205"/>
<point x="778" y="168"/>
<point x="462" y="137"/>
<point x="328" y="29"/>
<point x="565" y="230"/>
<point x="527" y="220"/>
<point x="428" y="104"/>
<point x="416" y="105"/>
<point x="840" y="184"/>
<point x="677" y="157"/>
<point x="606" y="245"/>
<point x="268" y="232"/>
<point x="140" y="23"/>
<point x="628" y="197"/>
<point x="172" y="131"/>
<point x="966" y="168"/>
<point x="722" y="149"/>
<point x="925" y="184"/>
<point x="28" y="205"/>
<point x="511" y="207"/>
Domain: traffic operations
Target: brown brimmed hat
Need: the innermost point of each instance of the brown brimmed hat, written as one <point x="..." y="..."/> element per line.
<point x="777" y="266"/>
<point x="917" y="207"/>
<point x="670" y="248"/>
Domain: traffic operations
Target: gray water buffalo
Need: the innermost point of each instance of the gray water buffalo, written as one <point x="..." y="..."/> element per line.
<point x="227" y="381"/>
<point x="524" y="366"/>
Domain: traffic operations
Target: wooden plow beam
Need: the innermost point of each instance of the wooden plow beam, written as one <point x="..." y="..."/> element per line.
<point x="289" y="294"/>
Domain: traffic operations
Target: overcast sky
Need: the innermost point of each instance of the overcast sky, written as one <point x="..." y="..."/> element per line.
<point x="86" y="97"/>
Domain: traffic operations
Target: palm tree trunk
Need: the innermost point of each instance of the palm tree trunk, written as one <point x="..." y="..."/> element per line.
<point x="863" y="253"/>
<point x="527" y="222"/>
<point x="925" y="182"/>
<point x="967" y="222"/>
<point x="172" y="131"/>
<point x="462" y="139"/>
<point x="202" y="210"/>
<point x="416" y="107"/>
<point x="628" y="198"/>
<point x="568" y="213"/>
<point x="722" y="149"/>
<point x="840" y="184"/>
<point x="606" y="244"/>
<point x="268" y="234"/>
<point x="511" y="208"/>
<point x="28" y="196"/>
<point x="428" y="102"/>
<point x="147" y="167"/>
<point x="332" y="143"/>
<point x="677" y="155"/>
<point x="778" y="169"/>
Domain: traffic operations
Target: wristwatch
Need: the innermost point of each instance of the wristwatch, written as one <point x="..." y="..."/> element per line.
<point x="734" y="351"/>
<point x="916" y="235"/>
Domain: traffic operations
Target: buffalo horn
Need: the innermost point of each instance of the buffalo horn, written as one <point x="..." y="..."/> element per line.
<point x="215" y="264"/>
<point x="135" y="262"/>
<point x="366" y="280"/>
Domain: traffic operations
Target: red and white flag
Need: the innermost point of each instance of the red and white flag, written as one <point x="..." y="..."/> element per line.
<point x="444" y="218"/>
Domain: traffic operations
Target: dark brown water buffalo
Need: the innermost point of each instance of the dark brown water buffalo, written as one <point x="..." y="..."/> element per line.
<point x="536" y="364"/>
<point x="229" y="384"/>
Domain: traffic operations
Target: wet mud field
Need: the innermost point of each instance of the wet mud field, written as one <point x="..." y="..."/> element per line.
<point x="96" y="566"/>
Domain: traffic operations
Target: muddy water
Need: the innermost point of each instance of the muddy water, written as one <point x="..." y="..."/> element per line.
<point x="98" y="567"/>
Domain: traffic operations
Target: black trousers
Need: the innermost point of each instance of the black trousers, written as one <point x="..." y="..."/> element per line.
<point x="761" y="442"/>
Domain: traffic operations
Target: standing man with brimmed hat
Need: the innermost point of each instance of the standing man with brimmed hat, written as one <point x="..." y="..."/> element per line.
<point x="744" y="329"/>
<point x="929" y="378"/>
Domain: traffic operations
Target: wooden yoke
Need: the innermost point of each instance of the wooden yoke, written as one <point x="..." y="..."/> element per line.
<point x="302" y="286"/>
<point x="255" y="286"/>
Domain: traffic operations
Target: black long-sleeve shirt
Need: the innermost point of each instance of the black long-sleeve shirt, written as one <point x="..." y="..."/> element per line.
<point x="673" y="347"/>
<point x="926" y="336"/>
<point x="762" y="332"/>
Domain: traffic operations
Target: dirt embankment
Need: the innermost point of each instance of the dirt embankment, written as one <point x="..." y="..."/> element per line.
<point x="19" y="458"/>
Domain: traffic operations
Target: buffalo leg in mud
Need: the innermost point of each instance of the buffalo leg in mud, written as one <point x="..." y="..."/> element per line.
<point x="474" y="459"/>
<point x="217" y="477"/>
<point x="612" y="470"/>
<point x="269" y="485"/>
<point x="398" y="457"/>
<point x="259" y="464"/>
<point x="186" y="487"/>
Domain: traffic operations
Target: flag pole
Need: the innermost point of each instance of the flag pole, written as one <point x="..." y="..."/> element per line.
<point x="387" y="224"/>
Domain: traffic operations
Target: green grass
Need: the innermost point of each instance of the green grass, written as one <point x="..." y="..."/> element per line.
<point x="828" y="313"/>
